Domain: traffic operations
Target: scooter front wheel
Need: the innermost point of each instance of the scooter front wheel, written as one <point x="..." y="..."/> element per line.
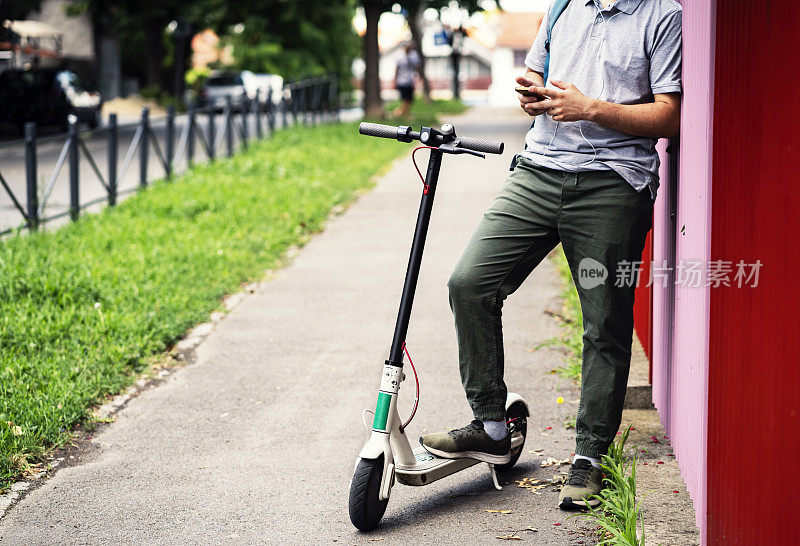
<point x="366" y="508"/>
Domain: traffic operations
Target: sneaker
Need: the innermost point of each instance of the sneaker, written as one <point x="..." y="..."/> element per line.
<point x="469" y="442"/>
<point x="584" y="481"/>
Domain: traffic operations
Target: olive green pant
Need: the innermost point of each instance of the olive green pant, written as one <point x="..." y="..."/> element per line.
<point x="601" y="222"/>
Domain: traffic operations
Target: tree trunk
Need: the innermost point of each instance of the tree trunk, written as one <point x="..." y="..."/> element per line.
<point x="373" y="104"/>
<point x="154" y="52"/>
<point x="415" y="9"/>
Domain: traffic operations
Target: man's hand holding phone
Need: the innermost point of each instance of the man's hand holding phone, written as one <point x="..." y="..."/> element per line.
<point x="533" y="103"/>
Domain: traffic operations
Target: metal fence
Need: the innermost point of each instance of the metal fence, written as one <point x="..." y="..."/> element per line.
<point x="176" y="141"/>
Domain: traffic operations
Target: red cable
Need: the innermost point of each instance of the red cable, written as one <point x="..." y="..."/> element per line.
<point x="416" y="400"/>
<point x="414" y="161"/>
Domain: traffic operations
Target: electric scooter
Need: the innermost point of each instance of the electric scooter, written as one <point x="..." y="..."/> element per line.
<point x="388" y="454"/>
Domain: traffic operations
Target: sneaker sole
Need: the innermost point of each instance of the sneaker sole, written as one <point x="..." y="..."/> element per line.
<point x="567" y="503"/>
<point x="477" y="455"/>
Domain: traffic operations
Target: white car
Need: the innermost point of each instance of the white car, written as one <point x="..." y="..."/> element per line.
<point x="221" y="85"/>
<point x="264" y="82"/>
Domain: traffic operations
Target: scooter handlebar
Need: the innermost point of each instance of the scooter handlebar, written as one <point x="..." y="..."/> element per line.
<point x="377" y="130"/>
<point x="405" y="134"/>
<point x="481" y="145"/>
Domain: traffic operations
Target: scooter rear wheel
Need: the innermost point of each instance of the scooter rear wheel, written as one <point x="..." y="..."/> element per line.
<point x="517" y="419"/>
<point x="366" y="508"/>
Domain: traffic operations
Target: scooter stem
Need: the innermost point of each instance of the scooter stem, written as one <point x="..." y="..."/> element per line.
<point x="415" y="259"/>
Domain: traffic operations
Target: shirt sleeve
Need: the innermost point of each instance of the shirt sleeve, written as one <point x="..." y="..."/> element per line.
<point x="665" y="58"/>
<point x="537" y="54"/>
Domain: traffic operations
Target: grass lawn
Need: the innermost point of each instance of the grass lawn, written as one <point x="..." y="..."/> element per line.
<point x="86" y="308"/>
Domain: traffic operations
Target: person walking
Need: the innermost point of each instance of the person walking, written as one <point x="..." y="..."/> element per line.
<point x="405" y="79"/>
<point x="587" y="179"/>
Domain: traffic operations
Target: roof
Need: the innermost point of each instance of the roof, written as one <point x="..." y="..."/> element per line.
<point x="517" y="30"/>
<point x="33" y="29"/>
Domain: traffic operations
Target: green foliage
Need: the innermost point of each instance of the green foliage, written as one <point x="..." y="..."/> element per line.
<point x="619" y="516"/>
<point x="293" y="39"/>
<point x="17" y="9"/>
<point x="84" y="308"/>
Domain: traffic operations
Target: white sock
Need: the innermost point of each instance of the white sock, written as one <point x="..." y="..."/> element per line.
<point x="595" y="462"/>
<point x="496" y="430"/>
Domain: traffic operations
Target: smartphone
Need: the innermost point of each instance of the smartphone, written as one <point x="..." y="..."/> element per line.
<point x="525" y="92"/>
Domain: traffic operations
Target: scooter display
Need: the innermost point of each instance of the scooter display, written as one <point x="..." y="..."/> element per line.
<point x="387" y="455"/>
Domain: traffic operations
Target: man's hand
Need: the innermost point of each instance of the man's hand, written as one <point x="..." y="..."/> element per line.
<point x="566" y="103"/>
<point x="533" y="106"/>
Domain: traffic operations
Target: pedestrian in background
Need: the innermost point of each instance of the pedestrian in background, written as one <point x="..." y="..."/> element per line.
<point x="405" y="78"/>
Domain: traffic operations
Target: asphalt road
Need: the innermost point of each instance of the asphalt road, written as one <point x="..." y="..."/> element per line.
<point x="255" y="441"/>
<point x="51" y="144"/>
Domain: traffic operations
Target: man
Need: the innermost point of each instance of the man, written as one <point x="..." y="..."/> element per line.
<point x="405" y="75"/>
<point x="587" y="179"/>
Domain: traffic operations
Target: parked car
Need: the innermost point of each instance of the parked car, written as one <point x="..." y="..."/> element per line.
<point x="46" y="96"/>
<point x="265" y="82"/>
<point x="220" y="85"/>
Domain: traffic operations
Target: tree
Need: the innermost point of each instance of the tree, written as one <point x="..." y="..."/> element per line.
<point x="11" y="10"/>
<point x="141" y="26"/>
<point x="414" y="11"/>
<point x="293" y="39"/>
<point x="373" y="103"/>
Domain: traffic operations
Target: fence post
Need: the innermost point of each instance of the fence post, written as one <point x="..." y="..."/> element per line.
<point x="303" y="103"/>
<point x="245" y="112"/>
<point x="335" y="98"/>
<point x="320" y="85"/>
<point x="144" y="146"/>
<point x="211" y="131"/>
<point x="228" y="125"/>
<point x="170" y="144"/>
<point x="30" y="175"/>
<point x="190" y="137"/>
<point x="294" y="98"/>
<point x="259" y="121"/>
<point x="269" y="112"/>
<point x="74" y="172"/>
<point x="112" y="159"/>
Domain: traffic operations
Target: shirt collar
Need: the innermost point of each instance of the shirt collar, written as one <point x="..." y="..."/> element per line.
<point x="625" y="6"/>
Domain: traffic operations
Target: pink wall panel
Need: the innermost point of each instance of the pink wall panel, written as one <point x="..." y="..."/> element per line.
<point x="680" y="323"/>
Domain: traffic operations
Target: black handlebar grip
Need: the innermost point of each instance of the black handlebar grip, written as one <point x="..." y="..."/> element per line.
<point x="481" y="145"/>
<point x="377" y="130"/>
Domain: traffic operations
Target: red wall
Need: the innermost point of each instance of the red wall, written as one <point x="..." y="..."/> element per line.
<point x="753" y="461"/>
<point x="643" y="304"/>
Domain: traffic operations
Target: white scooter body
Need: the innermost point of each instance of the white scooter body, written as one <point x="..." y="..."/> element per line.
<point x="413" y="466"/>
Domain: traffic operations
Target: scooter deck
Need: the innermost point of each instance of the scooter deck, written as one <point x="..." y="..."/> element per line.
<point x="429" y="467"/>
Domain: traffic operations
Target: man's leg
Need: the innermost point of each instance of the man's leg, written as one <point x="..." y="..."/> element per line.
<point x="515" y="234"/>
<point x="603" y="226"/>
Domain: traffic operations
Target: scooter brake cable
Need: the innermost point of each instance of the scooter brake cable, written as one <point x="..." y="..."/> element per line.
<point x="416" y="399"/>
<point x="420" y="172"/>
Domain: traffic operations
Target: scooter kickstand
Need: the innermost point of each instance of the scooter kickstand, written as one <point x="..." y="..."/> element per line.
<point x="494" y="477"/>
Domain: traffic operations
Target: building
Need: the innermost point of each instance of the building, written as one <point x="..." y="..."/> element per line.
<point x="474" y="68"/>
<point x="514" y="34"/>
<point x="725" y="374"/>
<point x="51" y="36"/>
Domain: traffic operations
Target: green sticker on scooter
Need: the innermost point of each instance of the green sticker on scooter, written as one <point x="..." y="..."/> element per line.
<point x="382" y="411"/>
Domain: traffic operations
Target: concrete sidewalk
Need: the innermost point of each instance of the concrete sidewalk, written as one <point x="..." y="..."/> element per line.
<point x="254" y="442"/>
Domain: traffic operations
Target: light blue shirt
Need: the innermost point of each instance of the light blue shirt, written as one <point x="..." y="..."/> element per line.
<point x="624" y="54"/>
